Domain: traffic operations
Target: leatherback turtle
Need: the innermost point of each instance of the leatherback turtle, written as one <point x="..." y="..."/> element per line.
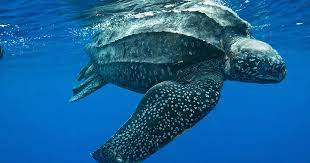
<point x="179" y="57"/>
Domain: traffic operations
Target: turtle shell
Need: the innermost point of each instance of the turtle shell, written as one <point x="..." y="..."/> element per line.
<point x="155" y="48"/>
<point x="204" y="21"/>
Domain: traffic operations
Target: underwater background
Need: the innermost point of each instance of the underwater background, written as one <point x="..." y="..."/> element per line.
<point x="44" y="50"/>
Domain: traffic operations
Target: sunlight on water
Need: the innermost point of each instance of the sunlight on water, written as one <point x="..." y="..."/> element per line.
<point x="28" y="29"/>
<point x="25" y="29"/>
<point x="272" y="20"/>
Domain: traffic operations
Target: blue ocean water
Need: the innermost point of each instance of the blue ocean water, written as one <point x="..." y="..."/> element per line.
<point x="44" y="49"/>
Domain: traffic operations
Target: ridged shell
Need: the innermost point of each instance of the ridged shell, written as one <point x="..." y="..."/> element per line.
<point x="202" y="20"/>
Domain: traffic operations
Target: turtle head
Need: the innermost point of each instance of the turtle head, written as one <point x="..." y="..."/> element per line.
<point x="251" y="60"/>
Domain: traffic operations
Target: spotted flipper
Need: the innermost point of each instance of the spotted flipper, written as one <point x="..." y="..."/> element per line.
<point x="92" y="82"/>
<point x="166" y="111"/>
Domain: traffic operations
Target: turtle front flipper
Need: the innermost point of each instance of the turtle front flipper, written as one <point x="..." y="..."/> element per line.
<point x="166" y="111"/>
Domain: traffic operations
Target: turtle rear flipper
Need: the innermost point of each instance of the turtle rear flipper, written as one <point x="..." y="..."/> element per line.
<point x="86" y="72"/>
<point x="92" y="82"/>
